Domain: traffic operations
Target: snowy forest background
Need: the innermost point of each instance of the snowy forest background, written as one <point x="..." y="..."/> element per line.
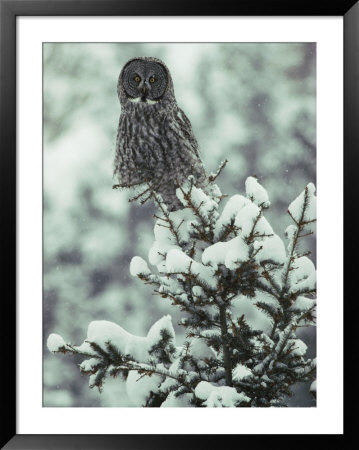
<point x="253" y="104"/>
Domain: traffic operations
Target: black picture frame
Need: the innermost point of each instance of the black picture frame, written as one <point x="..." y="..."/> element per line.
<point x="9" y="10"/>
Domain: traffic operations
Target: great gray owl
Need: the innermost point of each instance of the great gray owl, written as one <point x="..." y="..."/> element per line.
<point x="155" y="143"/>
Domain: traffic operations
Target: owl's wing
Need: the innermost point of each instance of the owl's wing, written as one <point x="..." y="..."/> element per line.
<point x="184" y="155"/>
<point x="124" y="167"/>
<point x="186" y="128"/>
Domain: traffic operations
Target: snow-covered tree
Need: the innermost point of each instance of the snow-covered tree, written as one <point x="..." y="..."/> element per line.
<point x="243" y="295"/>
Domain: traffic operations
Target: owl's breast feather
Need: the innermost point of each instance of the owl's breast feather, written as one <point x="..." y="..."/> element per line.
<point x="144" y="139"/>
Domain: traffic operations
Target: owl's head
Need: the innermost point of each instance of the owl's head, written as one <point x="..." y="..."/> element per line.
<point x="145" y="80"/>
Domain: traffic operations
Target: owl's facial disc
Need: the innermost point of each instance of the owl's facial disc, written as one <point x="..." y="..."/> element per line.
<point x="144" y="81"/>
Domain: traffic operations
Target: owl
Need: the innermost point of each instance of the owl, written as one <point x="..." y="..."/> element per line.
<point x="155" y="144"/>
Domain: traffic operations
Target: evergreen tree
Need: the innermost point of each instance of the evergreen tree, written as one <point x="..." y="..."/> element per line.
<point x="243" y="296"/>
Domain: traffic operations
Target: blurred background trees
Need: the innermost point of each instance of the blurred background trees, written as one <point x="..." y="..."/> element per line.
<point x="254" y="104"/>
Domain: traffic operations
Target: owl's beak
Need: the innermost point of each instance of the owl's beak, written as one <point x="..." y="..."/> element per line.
<point x="143" y="93"/>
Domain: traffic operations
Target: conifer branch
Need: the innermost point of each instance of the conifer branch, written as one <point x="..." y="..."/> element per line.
<point x="243" y="294"/>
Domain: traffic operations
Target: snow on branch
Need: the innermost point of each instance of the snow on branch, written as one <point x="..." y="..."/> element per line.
<point x="242" y="292"/>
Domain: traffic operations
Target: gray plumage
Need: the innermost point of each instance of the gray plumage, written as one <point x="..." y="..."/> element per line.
<point x="155" y="143"/>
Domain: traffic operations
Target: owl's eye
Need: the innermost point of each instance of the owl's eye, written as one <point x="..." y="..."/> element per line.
<point x="152" y="79"/>
<point x="137" y="78"/>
